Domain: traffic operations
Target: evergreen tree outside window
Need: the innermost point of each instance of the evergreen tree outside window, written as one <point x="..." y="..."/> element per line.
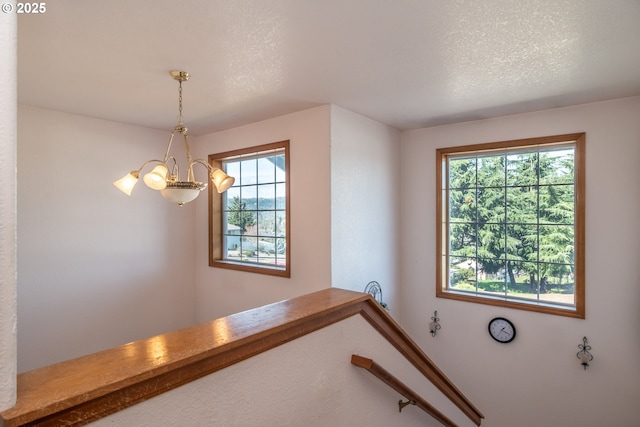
<point x="249" y="223"/>
<point x="511" y="224"/>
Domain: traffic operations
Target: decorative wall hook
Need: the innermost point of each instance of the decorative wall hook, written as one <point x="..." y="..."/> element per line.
<point x="434" y="325"/>
<point x="374" y="289"/>
<point x="584" y="355"/>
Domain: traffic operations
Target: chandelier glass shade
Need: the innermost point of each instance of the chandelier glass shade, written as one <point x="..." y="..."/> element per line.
<point x="164" y="177"/>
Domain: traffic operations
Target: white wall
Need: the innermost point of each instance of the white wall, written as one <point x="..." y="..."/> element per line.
<point x="306" y="382"/>
<point x="365" y="177"/>
<point x="95" y="268"/>
<point x="537" y="380"/>
<point x="221" y="292"/>
<point x="8" y="252"/>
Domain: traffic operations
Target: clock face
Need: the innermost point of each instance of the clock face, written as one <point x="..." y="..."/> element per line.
<point x="502" y="330"/>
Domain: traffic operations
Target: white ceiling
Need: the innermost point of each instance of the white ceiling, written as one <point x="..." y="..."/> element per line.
<point x="406" y="63"/>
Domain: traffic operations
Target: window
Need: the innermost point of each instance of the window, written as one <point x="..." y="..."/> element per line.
<point x="249" y="223"/>
<point x="511" y="224"/>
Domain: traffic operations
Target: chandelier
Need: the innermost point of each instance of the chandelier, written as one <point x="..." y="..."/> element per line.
<point x="165" y="176"/>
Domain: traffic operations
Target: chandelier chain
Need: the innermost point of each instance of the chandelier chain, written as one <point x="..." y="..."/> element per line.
<point x="180" y="103"/>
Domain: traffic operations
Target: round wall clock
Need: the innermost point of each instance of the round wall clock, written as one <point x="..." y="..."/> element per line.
<point x="502" y="330"/>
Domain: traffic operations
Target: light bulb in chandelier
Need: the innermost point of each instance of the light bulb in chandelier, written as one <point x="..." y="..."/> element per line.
<point x="157" y="178"/>
<point x="127" y="182"/>
<point x="221" y="180"/>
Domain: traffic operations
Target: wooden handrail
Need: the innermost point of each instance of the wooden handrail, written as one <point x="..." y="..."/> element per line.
<point x="388" y="328"/>
<point x="401" y="388"/>
<point x="78" y="391"/>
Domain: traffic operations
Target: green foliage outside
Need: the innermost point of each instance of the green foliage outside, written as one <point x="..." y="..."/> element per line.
<point x="248" y="254"/>
<point x="513" y="216"/>
<point x="240" y="216"/>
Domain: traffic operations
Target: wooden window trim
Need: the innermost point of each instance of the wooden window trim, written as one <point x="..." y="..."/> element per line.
<point x="580" y="179"/>
<point x="216" y="216"/>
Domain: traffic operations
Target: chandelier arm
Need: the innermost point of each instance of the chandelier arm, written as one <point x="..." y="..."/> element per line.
<point x="203" y="163"/>
<point x="150" y="161"/>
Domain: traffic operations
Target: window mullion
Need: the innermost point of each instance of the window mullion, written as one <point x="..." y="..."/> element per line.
<point x="506" y="229"/>
<point x="477" y="224"/>
<point x="538" y="172"/>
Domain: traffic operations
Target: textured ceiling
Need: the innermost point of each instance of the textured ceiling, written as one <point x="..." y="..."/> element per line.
<point x="405" y="63"/>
